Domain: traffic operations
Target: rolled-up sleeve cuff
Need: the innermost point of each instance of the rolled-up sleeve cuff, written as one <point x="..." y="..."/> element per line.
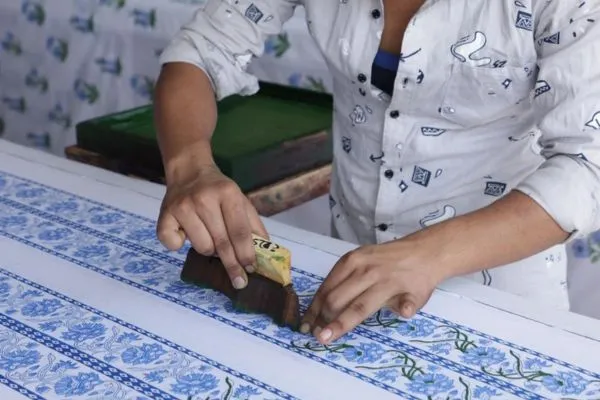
<point x="181" y="49"/>
<point x="564" y="186"/>
<point x="226" y="77"/>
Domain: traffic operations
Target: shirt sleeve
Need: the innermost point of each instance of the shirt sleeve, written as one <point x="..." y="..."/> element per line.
<point x="567" y="103"/>
<point x="224" y="36"/>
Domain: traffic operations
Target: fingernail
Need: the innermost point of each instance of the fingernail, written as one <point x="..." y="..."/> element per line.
<point x="239" y="282"/>
<point x="250" y="269"/>
<point x="304" y="328"/>
<point x="326" y="335"/>
<point x="317" y="331"/>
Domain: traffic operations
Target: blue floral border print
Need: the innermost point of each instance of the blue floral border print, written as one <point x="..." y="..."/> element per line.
<point x="424" y="358"/>
<point x="53" y="345"/>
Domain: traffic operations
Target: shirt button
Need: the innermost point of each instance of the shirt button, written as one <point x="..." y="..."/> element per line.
<point x="399" y="146"/>
<point x="362" y="78"/>
<point x="389" y="174"/>
<point x="395" y="114"/>
<point x="449" y="110"/>
<point x="376" y="13"/>
<point x="382" y="227"/>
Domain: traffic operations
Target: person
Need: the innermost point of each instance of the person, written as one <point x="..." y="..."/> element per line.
<point x="465" y="136"/>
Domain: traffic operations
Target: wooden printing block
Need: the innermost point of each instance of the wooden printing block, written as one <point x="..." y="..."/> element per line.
<point x="261" y="295"/>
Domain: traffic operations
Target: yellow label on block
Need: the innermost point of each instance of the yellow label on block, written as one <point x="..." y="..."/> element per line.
<point x="272" y="261"/>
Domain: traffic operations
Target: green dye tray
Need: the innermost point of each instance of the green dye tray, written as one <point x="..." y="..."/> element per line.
<point x="277" y="133"/>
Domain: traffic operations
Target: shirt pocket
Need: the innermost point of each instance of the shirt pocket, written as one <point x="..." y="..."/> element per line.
<point x="476" y="96"/>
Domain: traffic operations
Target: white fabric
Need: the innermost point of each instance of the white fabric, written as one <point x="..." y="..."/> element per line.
<point x="65" y="338"/>
<point x="490" y="102"/>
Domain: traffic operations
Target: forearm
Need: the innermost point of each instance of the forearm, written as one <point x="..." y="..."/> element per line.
<point x="513" y="228"/>
<point x="185" y="117"/>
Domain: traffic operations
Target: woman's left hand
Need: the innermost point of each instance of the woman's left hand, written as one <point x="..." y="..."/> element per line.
<point x="365" y="280"/>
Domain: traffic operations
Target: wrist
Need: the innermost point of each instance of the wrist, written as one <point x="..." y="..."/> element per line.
<point x="188" y="160"/>
<point x="432" y="249"/>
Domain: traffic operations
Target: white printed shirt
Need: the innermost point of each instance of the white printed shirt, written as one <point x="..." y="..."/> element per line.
<point x="490" y="96"/>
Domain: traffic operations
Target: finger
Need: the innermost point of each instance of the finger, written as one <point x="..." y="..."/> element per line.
<point x="169" y="231"/>
<point x="310" y="318"/>
<point x="256" y="223"/>
<point x="196" y="232"/>
<point x="356" y="312"/>
<point x="257" y="227"/>
<point x="319" y="324"/>
<point x="407" y="304"/>
<point x="340" y="271"/>
<point x="216" y="227"/>
<point x="239" y="230"/>
<point x="342" y="295"/>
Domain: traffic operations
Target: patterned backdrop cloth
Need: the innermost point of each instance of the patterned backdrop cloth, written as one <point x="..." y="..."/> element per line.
<point x="66" y="61"/>
<point x="62" y="62"/>
<point x="92" y="307"/>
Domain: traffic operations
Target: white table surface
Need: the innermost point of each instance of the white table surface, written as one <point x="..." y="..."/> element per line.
<point x="491" y="316"/>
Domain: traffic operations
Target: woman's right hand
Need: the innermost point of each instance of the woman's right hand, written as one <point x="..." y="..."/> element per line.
<point x="209" y="209"/>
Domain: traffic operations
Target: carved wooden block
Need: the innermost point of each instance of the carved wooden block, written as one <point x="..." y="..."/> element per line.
<point x="261" y="295"/>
